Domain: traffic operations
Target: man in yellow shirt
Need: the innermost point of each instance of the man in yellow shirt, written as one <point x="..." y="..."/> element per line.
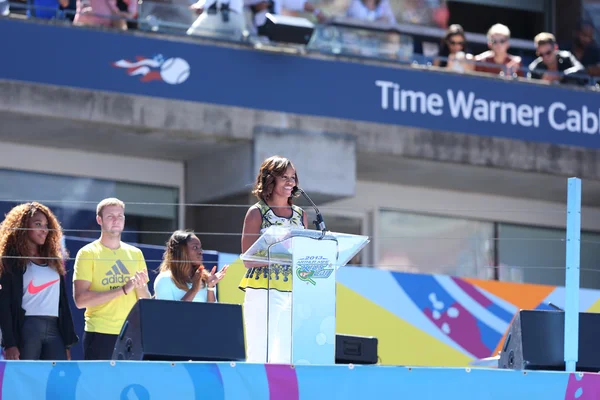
<point x="107" y="271"/>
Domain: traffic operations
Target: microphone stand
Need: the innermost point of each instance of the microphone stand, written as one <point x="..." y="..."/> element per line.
<point x="319" y="222"/>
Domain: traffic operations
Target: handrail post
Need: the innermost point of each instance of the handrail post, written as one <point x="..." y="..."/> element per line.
<point x="572" y="269"/>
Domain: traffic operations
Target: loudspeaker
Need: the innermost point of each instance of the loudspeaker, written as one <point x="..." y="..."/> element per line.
<point x="287" y="29"/>
<point x="168" y="330"/>
<point x="535" y="341"/>
<point x="355" y="349"/>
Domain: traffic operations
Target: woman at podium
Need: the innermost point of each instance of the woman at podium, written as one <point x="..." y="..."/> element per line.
<point x="268" y="297"/>
<point x="182" y="275"/>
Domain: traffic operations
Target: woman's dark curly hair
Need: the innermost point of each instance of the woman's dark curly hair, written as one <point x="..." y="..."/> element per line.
<point x="177" y="260"/>
<point x="13" y="238"/>
<point x="272" y="167"/>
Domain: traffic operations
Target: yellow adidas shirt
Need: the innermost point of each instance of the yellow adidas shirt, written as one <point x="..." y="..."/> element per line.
<point x="108" y="269"/>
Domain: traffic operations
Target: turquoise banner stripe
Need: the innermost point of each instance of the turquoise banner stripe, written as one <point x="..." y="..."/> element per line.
<point x="157" y="380"/>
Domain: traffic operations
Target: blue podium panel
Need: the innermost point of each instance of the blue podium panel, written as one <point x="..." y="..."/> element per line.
<point x="313" y="301"/>
<point x="301" y="324"/>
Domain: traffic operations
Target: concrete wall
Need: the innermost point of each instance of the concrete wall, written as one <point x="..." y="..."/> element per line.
<point x="166" y="120"/>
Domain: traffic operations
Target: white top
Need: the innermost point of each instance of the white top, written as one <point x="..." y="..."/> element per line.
<point x="41" y="290"/>
<point x="359" y="11"/>
<point x="165" y="289"/>
<point x="261" y="17"/>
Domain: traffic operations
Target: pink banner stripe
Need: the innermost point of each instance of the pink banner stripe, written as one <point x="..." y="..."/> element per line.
<point x="471" y="291"/>
<point x="283" y="383"/>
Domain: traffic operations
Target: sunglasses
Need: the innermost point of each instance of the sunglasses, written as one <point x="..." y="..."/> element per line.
<point x="453" y="43"/>
<point x="498" y="41"/>
<point x="546" y="53"/>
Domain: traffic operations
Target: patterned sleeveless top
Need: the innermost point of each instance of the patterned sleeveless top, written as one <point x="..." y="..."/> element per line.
<point x="280" y="275"/>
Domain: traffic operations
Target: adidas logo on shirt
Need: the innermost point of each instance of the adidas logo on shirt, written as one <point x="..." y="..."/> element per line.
<point x="117" y="274"/>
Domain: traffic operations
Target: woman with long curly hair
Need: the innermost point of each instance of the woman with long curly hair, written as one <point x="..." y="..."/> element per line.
<point x="276" y="187"/>
<point x="182" y="275"/>
<point x="35" y="317"/>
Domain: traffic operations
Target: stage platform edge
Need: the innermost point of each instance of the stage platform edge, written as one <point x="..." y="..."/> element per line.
<point x="147" y="380"/>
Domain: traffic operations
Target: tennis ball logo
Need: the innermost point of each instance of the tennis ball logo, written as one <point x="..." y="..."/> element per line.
<point x="175" y="71"/>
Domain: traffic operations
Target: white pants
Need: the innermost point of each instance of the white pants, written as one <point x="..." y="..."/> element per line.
<point x="272" y="345"/>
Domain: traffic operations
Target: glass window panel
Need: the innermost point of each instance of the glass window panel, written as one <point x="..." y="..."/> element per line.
<point x="73" y="200"/>
<point x="537" y="255"/>
<point x="435" y="245"/>
<point x="341" y="224"/>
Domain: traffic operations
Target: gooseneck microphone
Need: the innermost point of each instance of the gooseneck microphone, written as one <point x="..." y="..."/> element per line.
<point x="319" y="223"/>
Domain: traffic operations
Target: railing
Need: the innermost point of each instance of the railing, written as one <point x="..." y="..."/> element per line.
<point x="338" y="36"/>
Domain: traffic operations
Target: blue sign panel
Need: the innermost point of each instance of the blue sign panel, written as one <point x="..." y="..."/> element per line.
<point x="126" y="63"/>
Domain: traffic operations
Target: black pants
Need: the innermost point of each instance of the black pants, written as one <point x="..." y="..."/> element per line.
<point x="42" y="339"/>
<point x="98" y="346"/>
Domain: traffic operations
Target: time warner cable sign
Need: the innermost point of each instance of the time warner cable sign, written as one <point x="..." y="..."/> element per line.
<point x="468" y="106"/>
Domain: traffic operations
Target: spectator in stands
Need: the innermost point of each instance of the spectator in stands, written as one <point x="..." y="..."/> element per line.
<point x="584" y="48"/>
<point x="218" y="18"/>
<point x="104" y="13"/>
<point x="46" y="9"/>
<point x="107" y="271"/>
<point x="425" y="12"/>
<point x="371" y="10"/>
<point x="452" y="53"/>
<point x="4" y="8"/>
<point x="260" y="8"/>
<point x="497" y="60"/>
<point x="553" y="65"/>
<point x="182" y="275"/>
<point x="35" y="317"/>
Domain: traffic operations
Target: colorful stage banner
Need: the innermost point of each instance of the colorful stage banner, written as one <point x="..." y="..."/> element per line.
<point x="147" y="380"/>
<point x="429" y="320"/>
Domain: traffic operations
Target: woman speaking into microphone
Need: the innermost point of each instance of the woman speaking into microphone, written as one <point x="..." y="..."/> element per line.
<point x="268" y="297"/>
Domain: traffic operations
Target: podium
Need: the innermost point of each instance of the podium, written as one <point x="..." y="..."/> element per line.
<point x="314" y="257"/>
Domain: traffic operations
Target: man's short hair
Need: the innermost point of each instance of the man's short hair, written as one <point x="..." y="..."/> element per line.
<point x="544" y="38"/>
<point x="498" y="29"/>
<point x="111" y="201"/>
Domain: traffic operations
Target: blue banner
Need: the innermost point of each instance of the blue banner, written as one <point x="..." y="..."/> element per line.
<point x="126" y="63"/>
<point x="144" y="380"/>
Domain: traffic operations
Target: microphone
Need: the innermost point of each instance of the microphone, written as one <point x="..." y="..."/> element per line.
<point x="319" y="223"/>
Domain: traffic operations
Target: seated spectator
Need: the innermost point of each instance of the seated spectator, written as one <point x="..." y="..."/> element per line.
<point x="46" y="9"/>
<point x="104" y="13"/>
<point x="4" y="8"/>
<point x="498" y="37"/>
<point x="453" y="50"/>
<point x="371" y="10"/>
<point x="585" y="49"/>
<point x="260" y="8"/>
<point x="553" y="65"/>
<point x="218" y="18"/>
<point x="425" y="12"/>
<point x="182" y="275"/>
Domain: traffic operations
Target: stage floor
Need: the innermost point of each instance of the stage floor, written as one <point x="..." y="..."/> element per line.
<point x="37" y="380"/>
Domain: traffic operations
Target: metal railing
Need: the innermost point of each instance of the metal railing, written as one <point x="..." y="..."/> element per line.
<point x="338" y="36"/>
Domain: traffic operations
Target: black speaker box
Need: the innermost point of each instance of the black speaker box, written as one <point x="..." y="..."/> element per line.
<point x="168" y="330"/>
<point x="535" y="341"/>
<point x="355" y="349"/>
<point x="287" y="29"/>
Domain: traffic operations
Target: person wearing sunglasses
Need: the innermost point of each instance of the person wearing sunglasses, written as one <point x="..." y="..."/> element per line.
<point x="497" y="60"/>
<point x="584" y="48"/>
<point x="453" y="54"/>
<point x="554" y="65"/>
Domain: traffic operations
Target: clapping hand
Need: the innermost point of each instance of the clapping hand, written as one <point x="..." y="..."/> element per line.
<point x="138" y="281"/>
<point x="214" y="278"/>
